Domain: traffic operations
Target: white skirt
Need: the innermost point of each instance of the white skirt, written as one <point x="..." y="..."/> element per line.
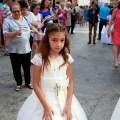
<point x="32" y="109"/>
<point x="116" y="112"/>
<point x="105" y="38"/>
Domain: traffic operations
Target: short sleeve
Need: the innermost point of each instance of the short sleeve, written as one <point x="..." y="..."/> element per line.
<point x="70" y="59"/>
<point x="5" y="27"/>
<point x="37" y="60"/>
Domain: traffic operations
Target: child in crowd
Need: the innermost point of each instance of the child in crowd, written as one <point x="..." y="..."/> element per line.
<point x="36" y="37"/>
<point x="107" y="40"/>
<point x="52" y="98"/>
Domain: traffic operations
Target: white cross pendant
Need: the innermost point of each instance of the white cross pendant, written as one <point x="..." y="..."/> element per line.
<point x="57" y="88"/>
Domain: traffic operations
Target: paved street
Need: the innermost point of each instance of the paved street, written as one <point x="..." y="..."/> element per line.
<point x="97" y="82"/>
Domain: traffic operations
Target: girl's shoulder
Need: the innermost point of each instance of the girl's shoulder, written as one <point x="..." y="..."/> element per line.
<point x="37" y="60"/>
<point x="115" y="10"/>
<point x="70" y="59"/>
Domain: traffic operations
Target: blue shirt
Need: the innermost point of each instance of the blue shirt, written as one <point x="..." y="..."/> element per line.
<point x="86" y="13"/>
<point x="45" y="15"/>
<point x="104" y="12"/>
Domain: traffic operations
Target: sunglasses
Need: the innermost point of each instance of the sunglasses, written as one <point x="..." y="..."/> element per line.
<point x="17" y="11"/>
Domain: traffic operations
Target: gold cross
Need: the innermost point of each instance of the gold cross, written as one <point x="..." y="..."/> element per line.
<point x="57" y="88"/>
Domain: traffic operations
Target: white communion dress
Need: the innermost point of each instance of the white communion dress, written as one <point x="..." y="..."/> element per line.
<point x="116" y="112"/>
<point x="54" y="83"/>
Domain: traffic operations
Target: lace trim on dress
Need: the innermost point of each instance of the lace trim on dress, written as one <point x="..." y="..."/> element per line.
<point x="70" y="59"/>
<point x="37" y="60"/>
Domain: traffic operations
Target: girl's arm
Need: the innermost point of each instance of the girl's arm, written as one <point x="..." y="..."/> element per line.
<point x="35" y="24"/>
<point x="13" y="34"/>
<point x="67" y="109"/>
<point x="42" y="24"/>
<point x="52" y="13"/>
<point x="112" y="18"/>
<point x="70" y="87"/>
<point x="48" y="112"/>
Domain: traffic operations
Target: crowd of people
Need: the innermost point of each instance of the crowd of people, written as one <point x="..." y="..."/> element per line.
<point x="27" y="28"/>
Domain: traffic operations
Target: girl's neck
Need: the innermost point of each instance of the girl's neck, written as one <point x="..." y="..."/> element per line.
<point x="26" y="14"/>
<point x="54" y="55"/>
<point x="35" y="13"/>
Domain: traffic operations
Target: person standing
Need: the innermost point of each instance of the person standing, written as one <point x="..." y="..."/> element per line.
<point x="73" y="18"/>
<point x="37" y="37"/>
<point x="104" y="12"/>
<point x="115" y="19"/>
<point x="18" y="45"/>
<point x="93" y="21"/>
<point x="86" y="14"/>
<point x="81" y="14"/>
<point x="5" y="13"/>
<point x="68" y="21"/>
<point x="77" y="16"/>
<point x="30" y="17"/>
<point x="105" y="39"/>
<point x="47" y="13"/>
<point x="62" y="14"/>
<point x="53" y="97"/>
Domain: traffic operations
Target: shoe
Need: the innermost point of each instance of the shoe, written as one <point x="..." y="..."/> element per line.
<point x="94" y="43"/>
<point x="99" y="39"/>
<point x="6" y="54"/>
<point x="116" y="65"/>
<point x="89" y="42"/>
<point x="30" y="86"/>
<point x="72" y="33"/>
<point x="18" y="88"/>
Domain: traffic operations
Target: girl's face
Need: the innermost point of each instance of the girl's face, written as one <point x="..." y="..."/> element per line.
<point x="36" y="9"/>
<point x="46" y="3"/>
<point x="56" y="42"/>
<point x="24" y="11"/>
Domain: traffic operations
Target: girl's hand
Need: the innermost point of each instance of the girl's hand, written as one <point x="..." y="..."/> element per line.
<point x="109" y="33"/>
<point x="67" y="111"/>
<point x="39" y="28"/>
<point x="35" y="31"/>
<point x="48" y="113"/>
<point x="18" y="32"/>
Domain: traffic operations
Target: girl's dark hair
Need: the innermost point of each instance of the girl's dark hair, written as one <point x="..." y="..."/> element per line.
<point x="118" y="5"/>
<point x="33" y="6"/>
<point x="44" y="47"/>
<point x="23" y="4"/>
<point x="111" y="11"/>
<point x="42" y="4"/>
<point x="14" y="3"/>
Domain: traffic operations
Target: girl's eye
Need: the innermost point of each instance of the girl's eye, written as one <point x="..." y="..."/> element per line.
<point x="62" y="40"/>
<point x="54" y="40"/>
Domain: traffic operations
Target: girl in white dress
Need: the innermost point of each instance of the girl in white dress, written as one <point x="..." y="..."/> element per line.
<point x="36" y="37"/>
<point x="52" y="97"/>
<point x="116" y="112"/>
<point x="107" y="40"/>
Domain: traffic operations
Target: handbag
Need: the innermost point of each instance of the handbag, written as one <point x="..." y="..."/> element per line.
<point x="112" y="26"/>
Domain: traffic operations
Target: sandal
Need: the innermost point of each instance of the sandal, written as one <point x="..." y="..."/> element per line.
<point x="30" y="86"/>
<point x="116" y="65"/>
<point x="18" y="88"/>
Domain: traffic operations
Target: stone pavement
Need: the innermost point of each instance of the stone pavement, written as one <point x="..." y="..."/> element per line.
<point x="97" y="82"/>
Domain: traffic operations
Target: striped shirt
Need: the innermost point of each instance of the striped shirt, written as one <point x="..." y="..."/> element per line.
<point x="5" y="11"/>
